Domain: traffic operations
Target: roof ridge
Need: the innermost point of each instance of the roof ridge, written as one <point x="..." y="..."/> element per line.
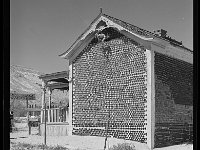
<point x="110" y="17"/>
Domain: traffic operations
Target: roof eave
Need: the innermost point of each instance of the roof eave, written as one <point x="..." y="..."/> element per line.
<point x="86" y="35"/>
<point x="89" y="33"/>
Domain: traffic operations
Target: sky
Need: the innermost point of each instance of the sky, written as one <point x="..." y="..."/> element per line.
<point x="40" y="30"/>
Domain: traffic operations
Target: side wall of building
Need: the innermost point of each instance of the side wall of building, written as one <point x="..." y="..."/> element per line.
<point x="173" y="101"/>
<point x="110" y="90"/>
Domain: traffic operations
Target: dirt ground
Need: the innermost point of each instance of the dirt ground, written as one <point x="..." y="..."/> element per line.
<point x="20" y="135"/>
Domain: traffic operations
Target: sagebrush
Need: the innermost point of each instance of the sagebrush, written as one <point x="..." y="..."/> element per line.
<point x="123" y="146"/>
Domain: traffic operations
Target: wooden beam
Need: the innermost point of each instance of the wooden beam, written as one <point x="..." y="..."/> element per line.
<point x="43" y="93"/>
<point x="34" y="109"/>
<point x="52" y="119"/>
<point x="44" y="107"/>
<point x="70" y="97"/>
<point x="89" y="34"/>
<point x="146" y="44"/>
<point x="57" y="86"/>
<point x="50" y="92"/>
<point x="56" y="75"/>
<point x="54" y="115"/>
<point x="78" y="48"/>
<point x="83" y="43"/>
<point x="150" y="99"/>
<point x="45" y="126"/>
<point x="66" y="115"/>
<point x="49" y="119"/>
<point x="28" y="118"/>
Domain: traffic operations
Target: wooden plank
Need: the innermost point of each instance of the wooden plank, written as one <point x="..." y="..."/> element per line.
<point x="80" y="46"/>
<point x="146" y="44"/>
<point x="66" y="115"/>
<point x="152" y="99"/>
<point x="46" y="115"/>
<point x="174" y="52"/>
<point x="49" y="119"/>
<point x="57" y="85"/>
<point x="58" y="114"/>
<point x="54" y="115"/>
<point x="70" y="97"/>
<point x="48" y="77"/>
<point x="42" y="116"/>
<point x="51" y="115"/>
<point x="33" y="109"/>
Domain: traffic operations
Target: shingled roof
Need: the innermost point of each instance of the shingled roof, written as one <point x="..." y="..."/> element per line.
<point x="138" y="30"/>
<point x="130" y="27"/>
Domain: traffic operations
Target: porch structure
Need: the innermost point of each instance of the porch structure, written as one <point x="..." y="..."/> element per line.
<point x="54" y="118"/>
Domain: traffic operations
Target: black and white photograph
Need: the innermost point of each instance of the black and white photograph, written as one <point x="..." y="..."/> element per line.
<point x="101" y="75"/>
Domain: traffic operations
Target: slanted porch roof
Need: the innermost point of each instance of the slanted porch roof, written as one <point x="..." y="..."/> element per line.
<point x="57" y="80"/>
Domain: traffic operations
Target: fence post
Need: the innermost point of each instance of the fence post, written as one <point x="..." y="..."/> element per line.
<point x="49" y="115"/>
<point x="52" y="120"/>
<point x="66" y="117"/>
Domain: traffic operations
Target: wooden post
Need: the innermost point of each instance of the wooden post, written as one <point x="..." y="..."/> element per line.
<point x="153" y="112"/>
<point x="42" y="112"/>
<point x="50" y="92"/>
<point x="58" y="115"/>
<point x="44" y="107"/>
<point x="55" y="119"/>
<point x="66" y="115"/>
<point x="70" y="98"/>
<point x="26" y="103"/>
<point x="52" y="115"/>
<point x="49" y="106"/>
<point x="150" y="99"/>
<point x="28" y="122"/>
<point x="33" y="111"/>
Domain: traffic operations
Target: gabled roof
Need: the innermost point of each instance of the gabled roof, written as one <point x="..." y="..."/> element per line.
<point x="141" y="36"/>
<point x="140" y="31"/>
<point x="131" y="27"/>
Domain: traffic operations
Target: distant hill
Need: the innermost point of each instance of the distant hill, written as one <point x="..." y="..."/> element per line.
<point x="25" y="80"/>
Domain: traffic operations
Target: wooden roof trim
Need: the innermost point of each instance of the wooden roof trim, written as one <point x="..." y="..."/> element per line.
<point x="174" y="52"/>
<point x="89" y="35"/>
<point x="147" y="42"/>
<point x="57" y="86"/>
<point x="147" y="33"/>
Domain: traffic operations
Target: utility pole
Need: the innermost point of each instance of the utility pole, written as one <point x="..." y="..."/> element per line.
<point x="45" y="124"/>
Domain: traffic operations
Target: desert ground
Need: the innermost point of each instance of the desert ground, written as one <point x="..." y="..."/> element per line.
<point x="20" y="135"/>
